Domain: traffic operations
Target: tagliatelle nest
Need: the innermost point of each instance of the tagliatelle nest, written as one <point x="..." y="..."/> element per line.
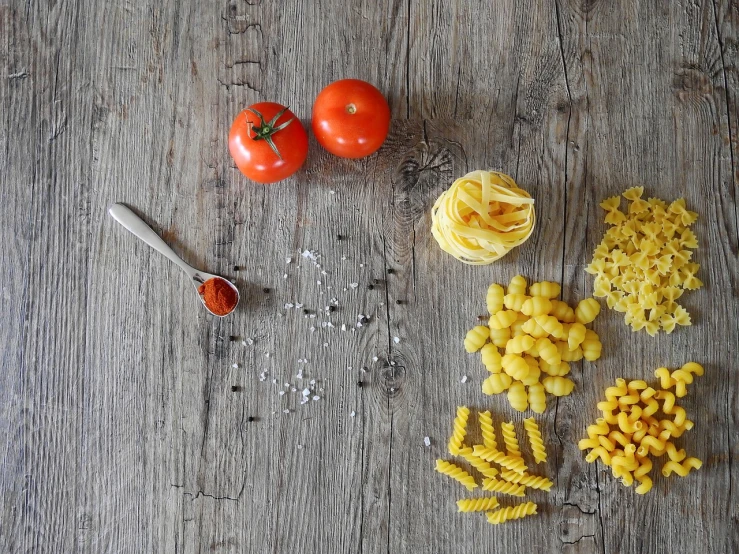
<point x="482" y="217"/>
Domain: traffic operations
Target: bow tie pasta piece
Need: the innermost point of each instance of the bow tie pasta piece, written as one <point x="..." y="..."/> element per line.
<point x="652" y="246"/>
<point x="482" y="217"/>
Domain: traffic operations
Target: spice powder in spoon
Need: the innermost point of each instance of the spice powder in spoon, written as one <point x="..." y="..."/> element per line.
<point x="218" y="295"/>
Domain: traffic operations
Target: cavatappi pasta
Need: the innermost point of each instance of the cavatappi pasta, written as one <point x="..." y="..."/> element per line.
<point x="640" y="421"/>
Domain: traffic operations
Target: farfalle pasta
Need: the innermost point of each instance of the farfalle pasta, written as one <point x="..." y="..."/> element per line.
<point x="630" y="428"/>
<point x="643" y="264"/>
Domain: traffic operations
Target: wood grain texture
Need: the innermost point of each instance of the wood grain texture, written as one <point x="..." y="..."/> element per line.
<point x="120" y="429"/>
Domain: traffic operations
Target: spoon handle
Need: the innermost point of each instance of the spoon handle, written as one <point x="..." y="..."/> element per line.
<point x="138" y="227"/>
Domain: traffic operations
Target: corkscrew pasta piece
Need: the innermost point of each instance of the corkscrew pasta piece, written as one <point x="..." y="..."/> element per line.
<point x="491" y="358"/>
<point x="517" y="396"/>
<point x="681" y="469"/>
<point x="645" y="485"/>
<point x="475" y="338"/>
<point x="512" y="512"/>
<point x="477" y="504"/>
<point x="531" y="481"/>
<point x="537" y="398"/>
<point x="497" y="457"/>
<point x="494" y="298"/>
<point x="545" y="289"/>
<point x="510" y="439"/>
<point x="478" y="463"/>
<point x="456" y="441"/>
<point x="558" y="386"/>
<point x="665" y="379"/>
<point x="487" y="430"/>
<point x="481" y="217"/>
<point x="456" y="473"/>
<point x="491" y="484"/>
<point x="535" y="440"/>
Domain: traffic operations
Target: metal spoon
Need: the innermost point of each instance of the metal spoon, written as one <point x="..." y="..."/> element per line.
<point x="138" y="227"/>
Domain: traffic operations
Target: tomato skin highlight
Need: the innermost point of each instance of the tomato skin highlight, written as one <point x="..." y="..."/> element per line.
<point x="255" y="158"/>
<point x="351" y="118"/>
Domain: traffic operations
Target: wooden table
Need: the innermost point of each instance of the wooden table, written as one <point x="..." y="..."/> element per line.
<point x="120" y="427"/>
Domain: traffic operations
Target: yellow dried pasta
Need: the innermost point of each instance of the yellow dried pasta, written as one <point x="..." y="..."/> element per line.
<point x="456" y="441"/>
<point x="481" y="217"/>
<point x="456" y="473"/>
<point x="634" y="409"/>
<point x="642" y="265"/>
<point x="535" y="440"/>
<point x="477" y="504"/>
<point x="511" y="512"/>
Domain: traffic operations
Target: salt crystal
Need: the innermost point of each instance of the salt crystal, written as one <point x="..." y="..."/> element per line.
<point x="304" y="400"/>
<point x="375" y="358"/>
<point x="274" y="381"/>
<point x="427" y="441"/>
<point x="281" y="393"/>
<point x="299" y="374"/>
<point x="318" y="282"/>
<point x="293" y="389"/>
<point x="250" y="341"/>
<point x="243" y="342"/>
<point x="361" y="265"/>
<point x="353" y="285"/>
<point x="316" y="397"/>
<point x="235" y="366"/>
<point x="332" y="192"/>
<point x="352" y="414"/>
<point x="349" y="368"/>
<point x="392" y="363"/>
<point x="344" y="289"/>
<point x="396" y="340"/>
<point x="266" y="354"/>
<point x="300" y="447"/>
<point x="306" y="392"/>
<point x="285" y="411"/>
<point x="312" y="381"/>
<point x="287" y="385"/>
<point x="312" y="329"/>
<point x="324" y="273"/>
<point x="343" y="327"/>
<point x="359" y="323"/>
<point x="464" y="378"/>
<point x="298" y="306"/>
<point x="325" y="345"/>
<point x="288" y="260"/>
<point x="289" y="305"/>
<point x="284" y="276"/>
<point x="343" y="257"/>
<point x="312" y="316"/>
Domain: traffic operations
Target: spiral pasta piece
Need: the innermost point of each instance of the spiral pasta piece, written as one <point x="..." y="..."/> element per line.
<point x="487" y="430"/>
<point x="681" y="469"/>
<point x="531" y="481"/>
<point x="511" y="512"/>
<point x="645" y="485"/>
<point x="456" y="473"/>
<point x="477" y="504"/>
<point x="478" y="463"/>
<point x="510" y="439"/>
<point x="481" y="217"/>
<point x="494" y="298"/>
<point x="535" y="440"/>
<point x="503" y="487"/>
<point x="475" y="338"/>
<point x="459" y="431"/>
<point x="497" y="457"/>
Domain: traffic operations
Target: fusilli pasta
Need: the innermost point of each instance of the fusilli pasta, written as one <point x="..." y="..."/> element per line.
<point x="456" y="441"/>
<point x="535" y="440"/>
<point x="512" y="512"/>
<point x="456" y="473"/>
<point x="477" y="504"/>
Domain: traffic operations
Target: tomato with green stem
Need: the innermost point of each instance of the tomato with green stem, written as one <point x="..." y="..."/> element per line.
<point x="267" y="142"/>
<point x="351" y="118"/>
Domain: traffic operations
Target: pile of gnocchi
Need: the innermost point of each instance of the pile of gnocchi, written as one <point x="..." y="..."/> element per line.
<point x="530" y="340"/>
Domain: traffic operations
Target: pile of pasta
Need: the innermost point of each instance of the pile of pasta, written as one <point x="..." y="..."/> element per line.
<point x="481" y="217"/>
<point x="638" y="421"/>
<point x="642" y="265"/>
<point x="529" y="341"/>
<point x="511" y="467"/>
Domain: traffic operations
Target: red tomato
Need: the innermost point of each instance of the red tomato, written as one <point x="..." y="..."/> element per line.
<point x="267" y="142"/>
<point x="351" y="118"/>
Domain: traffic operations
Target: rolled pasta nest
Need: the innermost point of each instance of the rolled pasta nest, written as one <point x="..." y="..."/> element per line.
<point x="482" y="217"/>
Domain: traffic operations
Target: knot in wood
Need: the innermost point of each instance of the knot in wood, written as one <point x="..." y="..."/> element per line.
<point x="392" y="377"/>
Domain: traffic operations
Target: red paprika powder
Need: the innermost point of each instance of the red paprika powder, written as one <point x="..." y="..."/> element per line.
<point x="219" y="296"/>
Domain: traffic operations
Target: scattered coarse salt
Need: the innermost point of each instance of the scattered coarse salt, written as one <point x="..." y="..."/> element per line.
<point x="343" y="327"/>
<point x="464" y="379"/>
<point x="316" y="397"/>
<point x="281" y="393"/>
<point x="299" y="374"/>
<point x="312" y="316"/>
<point x="285" y="411"/>
<point x="235" y="366"/>
<point x="289" y="305"/>
<point x="361" y="265"/>
<point x="284" y="276"/>
<point x="243" y="343"/>
<point x="318" y="282"/>
<point x="344" y="289"/>
<point x="392" y="363"/>
<point x="325" y="345"/>
<point x="306" y="392"/>
<point x="343" y="258"/>
<point x="359" y="323"/>
<point x="312" y="329"/>
<point x="352" y="414"/>
<point x="287" y="385"/>
<point x="304" y="400"/>
<point x="375" y="358"/>
<point x="288" y="260"/>
<point x="266" y="354"/>
<point x="312" y="381"/>
<point x="349" y="368"/>
<point x="298" y="306"/>
<point x="427" y="441"/>
<point x="250" y="342"/>
<point x="324" y="273"/>
<point x="353" y="285"/>
<point x="274" y="381"/>
<point x="293" y="389"/>
<point x="300" y="447"/>
<point x="396" y="340"/>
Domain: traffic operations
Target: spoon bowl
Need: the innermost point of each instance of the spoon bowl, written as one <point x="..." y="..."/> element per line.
<point x="123" y="215"/>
